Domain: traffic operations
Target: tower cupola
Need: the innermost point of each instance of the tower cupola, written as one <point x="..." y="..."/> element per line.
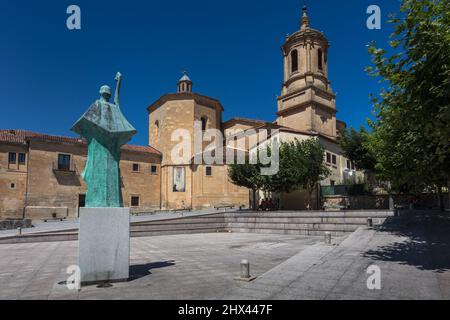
<point x="304" y="22"/>
<point x="305" y="58"/>
<point x="184" y="84"/>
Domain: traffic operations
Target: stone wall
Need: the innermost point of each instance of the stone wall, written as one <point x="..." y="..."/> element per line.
<point x="37" y="190"/>
<point x="214" y="190"/>
<point x="13" y="181"/>
<point x="425" y="201"/>
<point x="10" y="224"/>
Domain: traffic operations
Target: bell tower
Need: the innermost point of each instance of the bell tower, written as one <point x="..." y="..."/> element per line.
<point x="307" y="102"/>
<point x="184" y="84"/>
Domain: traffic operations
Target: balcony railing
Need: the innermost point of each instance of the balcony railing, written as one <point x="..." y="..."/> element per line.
<point x="62" y="167"/>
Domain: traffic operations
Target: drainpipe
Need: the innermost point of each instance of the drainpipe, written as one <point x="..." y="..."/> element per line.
<point x="160" y="186"/>
<point x="192" y="185"/>
<point x="27" y="180"/>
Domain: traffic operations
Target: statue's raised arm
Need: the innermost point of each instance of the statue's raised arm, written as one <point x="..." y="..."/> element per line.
<point x="116" y="97"/>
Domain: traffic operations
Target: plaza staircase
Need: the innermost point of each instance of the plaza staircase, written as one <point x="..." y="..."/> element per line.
<point x="312" y="223"/>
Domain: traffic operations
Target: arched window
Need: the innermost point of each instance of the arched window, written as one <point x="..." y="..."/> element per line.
<point x="320" y="59"/>
<point x="156" y="127"/>
<point x="204" y="123"/>
<point x="294" y="61"/>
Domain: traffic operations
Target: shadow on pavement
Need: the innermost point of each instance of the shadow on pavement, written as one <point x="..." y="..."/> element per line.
<point x="143" y="270"/>
<point x="425" y="244"/>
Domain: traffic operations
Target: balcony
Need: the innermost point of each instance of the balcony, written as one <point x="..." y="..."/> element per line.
<point x="66" y="174"/>
<point x="62" y="167"/>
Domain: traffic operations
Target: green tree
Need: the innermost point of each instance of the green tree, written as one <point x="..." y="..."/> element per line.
<point x="249" y="176"/>
<point x="354" y="145"/>
<point x="411" y="133"/>
<point x="315" y="168"/>
<point x="301" y="166"/>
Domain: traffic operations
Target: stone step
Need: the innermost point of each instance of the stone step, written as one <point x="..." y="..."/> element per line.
<point x="165" y="232"/>
<point x="296" y="226"/>
<point x="311" y="214"/>
<point x="336" y="220"/>
<point x="181" y="221"/>
<point x="254" y="219"/>
<point x="176" y="226"/>
<point x="303" y="232"/>
<point x="41" y="237"/>
<point x="296" y="223"/>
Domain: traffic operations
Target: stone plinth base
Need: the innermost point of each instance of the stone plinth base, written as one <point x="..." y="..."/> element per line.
<point x="104" y="244"/>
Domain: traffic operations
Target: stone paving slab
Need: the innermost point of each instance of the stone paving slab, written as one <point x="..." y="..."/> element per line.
<point x="412" y="253"/>
<point x="196" y="266"/>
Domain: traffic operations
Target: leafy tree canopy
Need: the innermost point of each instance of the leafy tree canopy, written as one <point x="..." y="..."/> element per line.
<point x="354" y="145"/>
<point x="411" y="133"/>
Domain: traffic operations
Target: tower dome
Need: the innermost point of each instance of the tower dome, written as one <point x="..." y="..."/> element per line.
<point x="184" y="84"/>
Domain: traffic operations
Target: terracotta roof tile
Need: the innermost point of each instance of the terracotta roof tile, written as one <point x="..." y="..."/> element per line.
<point x="22" y="136"/>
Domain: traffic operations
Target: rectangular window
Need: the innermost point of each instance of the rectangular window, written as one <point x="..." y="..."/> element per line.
<point x="333" y="183"/>
<point x="154" y="170"/>
<point x="12" y="158"/>
<point x="334" y="159"/>
<point x="349" y="165"/>
<point x="328" y="157"/>
<point x="135" y="201"/>
<point x="135" y="167"/>
<point x="64" y="162"/>
<point x="22" y="158"/>
<point x="209" y="171"/>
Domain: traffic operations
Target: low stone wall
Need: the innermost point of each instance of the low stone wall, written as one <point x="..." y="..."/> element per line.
<point x="424" y="201"/>
<point x="14" y="224"/>
<point x="40" y="213"/>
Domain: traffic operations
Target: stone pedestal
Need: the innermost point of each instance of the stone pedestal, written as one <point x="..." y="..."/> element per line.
<point x="104" y="244"/>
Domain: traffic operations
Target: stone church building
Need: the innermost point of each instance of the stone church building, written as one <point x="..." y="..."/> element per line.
<point x="40" y="174"/>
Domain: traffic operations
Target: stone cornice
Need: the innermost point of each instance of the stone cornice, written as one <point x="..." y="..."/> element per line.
<point x="325" y="93"/>
<point x="305" y="104"/>
<point x="300" y="76"/>
<point x="202" y="100"/>
<point x="308" y="36"/>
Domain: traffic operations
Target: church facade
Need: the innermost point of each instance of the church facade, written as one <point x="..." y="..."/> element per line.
<point x="40" y="174"/>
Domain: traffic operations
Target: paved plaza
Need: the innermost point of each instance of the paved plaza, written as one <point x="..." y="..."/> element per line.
<point x="412" y="254"/>
<point x="198" y="266"/>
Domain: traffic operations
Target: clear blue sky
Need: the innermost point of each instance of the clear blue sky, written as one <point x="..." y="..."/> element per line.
<point x="50" y="75"/>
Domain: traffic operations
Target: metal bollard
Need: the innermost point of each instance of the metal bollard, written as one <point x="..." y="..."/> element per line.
<point x="19" y="231"/>
<point x="245" y="269"/>
<point x="328" y="237"/>
<point x="369" y="222"/>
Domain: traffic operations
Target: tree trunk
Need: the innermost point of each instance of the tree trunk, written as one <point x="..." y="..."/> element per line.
<point x="255" y="206"/>
<point x="441" y="199"/>
<point x="310" y="191"/>
<point x="391" y="199"/>
<point x="319" y="197"/>
<point x="448" y="190"/>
